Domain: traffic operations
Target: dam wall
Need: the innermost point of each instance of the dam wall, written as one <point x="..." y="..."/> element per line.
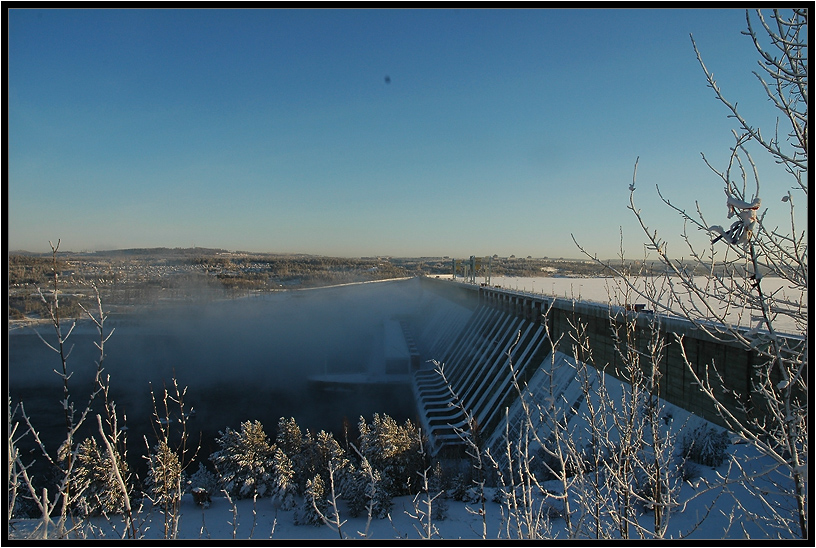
<point x="487" y="340"/>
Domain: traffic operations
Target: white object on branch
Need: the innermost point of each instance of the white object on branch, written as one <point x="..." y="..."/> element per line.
<point x="743" y="229"/>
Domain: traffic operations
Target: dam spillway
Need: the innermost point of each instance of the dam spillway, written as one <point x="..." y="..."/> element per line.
<point x="480" y="365"/>
<point x="481" y="346"/>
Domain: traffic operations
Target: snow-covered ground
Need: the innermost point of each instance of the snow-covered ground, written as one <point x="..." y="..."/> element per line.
<point x="262" y="519"/>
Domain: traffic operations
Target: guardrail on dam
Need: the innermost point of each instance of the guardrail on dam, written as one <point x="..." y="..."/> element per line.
<point x="473" y="332"/>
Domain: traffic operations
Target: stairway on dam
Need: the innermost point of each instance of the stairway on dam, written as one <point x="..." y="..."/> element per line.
<point x="479" y="362"/>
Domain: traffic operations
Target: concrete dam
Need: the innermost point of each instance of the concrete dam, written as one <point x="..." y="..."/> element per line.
<point x="485" y="341"/>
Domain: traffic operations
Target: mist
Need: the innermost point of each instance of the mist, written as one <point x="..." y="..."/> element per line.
<point x="242" y="359"/>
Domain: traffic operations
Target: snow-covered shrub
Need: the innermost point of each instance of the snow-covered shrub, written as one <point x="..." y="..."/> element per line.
<point x="203" y="478"/>
<point x="289" y="438"/>
<point x="460" y="483"/>
<point x="93" y="477"/>
<point x="362" y="487"/>
<point x="165" y="481"/>
<point x="705" y="445"/>
<point x="355" y="487"/>
<point x="203" y="482"/>
<point x="245" y="462"/>
<point x="436" y="489"/>
<point x="316" y="454"/>
<point x="313" y="504"/>
<point x="501" y="495"/>
<point x="644" y="488"/>
<point x="396" y="451"/>
<point x="463" y="488"/>
<point x="285" y="488"/>
<point x="689" y="470"/>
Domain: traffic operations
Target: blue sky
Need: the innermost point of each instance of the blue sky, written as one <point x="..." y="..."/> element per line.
<point x="367" y="132"/>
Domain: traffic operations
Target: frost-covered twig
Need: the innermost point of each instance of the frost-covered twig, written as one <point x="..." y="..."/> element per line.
<point x="120" y="482"/>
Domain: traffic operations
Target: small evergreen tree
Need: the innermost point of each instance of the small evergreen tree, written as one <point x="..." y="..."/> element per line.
<point x="362" y="488"/>
<point x="394" y="450"/>
<point x="316" y="453"/>
<point x="245" y="461"/>
<point x="435" y="486"/>
<point x="304" y="463"/>
<point x="328" y="450"/>
<point x="705" y="445"/>
<point x="93" y="477"/>
<point x="285" y="487"/>
<point x="202" y="484"/>
<point x="165" y="481"/>
<point x="313" y="504"/>
<point x="460" y="487"/>
<point x="290" y="438"/>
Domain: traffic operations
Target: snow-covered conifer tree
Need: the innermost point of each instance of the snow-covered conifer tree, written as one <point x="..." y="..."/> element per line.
<point x="165" y="481"/>
<point x="245" y="462"/>
<point x="362" y="489"/>
<point x="328" y="450"/>
<point x="437" y="491"/>
<point x="315" y="455"/>
<point x="313" y="504"/>
<point x="394" y="450"/>
<point x="285" y="487"/>
<point x="93" y="478"/>
<point x="204" y="482"/>
<point x="290" y="437"/>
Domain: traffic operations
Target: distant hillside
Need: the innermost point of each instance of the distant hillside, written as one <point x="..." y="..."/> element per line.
<point x="162" y="252"/>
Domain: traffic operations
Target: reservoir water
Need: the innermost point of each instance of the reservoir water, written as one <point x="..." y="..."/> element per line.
<point x="246" y="359"/>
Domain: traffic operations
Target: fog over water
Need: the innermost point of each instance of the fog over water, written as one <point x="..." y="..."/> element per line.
<point x="244" y="359"/>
